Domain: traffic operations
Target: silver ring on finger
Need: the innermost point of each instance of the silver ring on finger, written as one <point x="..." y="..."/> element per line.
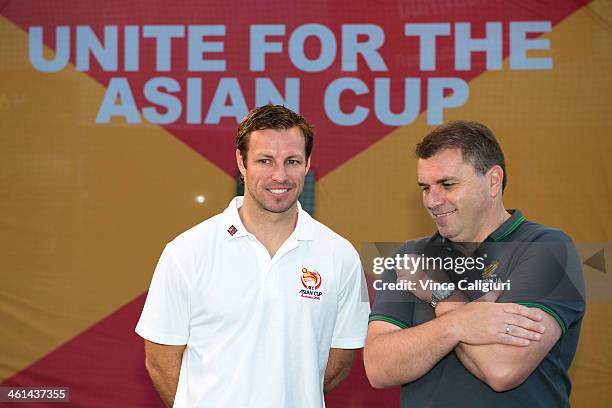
<point x="508" y="329"/>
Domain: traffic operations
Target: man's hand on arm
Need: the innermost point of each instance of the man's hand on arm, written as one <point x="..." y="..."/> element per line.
<point x="163" y="363"/>
<point x="505" y="364"/>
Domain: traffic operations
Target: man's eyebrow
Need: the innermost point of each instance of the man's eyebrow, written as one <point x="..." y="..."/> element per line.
<point x="439" y="181"/>
<point x="445" y="179"/>
<point x="267" y="155"/>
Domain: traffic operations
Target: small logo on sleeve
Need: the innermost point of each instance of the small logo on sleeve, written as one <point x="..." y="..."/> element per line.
<point x="232" y="230"/>
<point x="311" y="280"/>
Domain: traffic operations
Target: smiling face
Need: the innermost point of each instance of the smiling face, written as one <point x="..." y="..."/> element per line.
<point x="275" y="169"/>
<point x="461" y="201"/>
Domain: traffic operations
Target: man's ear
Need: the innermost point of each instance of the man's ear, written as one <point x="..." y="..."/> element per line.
<point x="495" y="176"/>
<point x="307" y="164"/>
<point x="240" y="163"/>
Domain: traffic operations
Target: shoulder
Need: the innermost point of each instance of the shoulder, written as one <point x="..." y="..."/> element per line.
<point x="324" y="235"/>
<point x="326" y="238"/>
<point x="546" y="243"/>
<point x="534" y="232"/>
<point x="202" y="234"/>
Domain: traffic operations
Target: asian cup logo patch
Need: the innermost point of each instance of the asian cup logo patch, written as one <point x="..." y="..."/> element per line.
<point x="311" y="280"/>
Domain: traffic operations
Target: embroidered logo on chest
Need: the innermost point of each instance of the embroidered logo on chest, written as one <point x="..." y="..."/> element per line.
<point x="488" y="271"/>
<point x="311" y="280"/>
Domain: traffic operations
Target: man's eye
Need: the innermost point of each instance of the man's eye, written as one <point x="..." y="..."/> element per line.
<point x="424" y="188"/>
<point x="264" y="161"/>
<point x="293" y="161"/>
<point x="447" y="185"/>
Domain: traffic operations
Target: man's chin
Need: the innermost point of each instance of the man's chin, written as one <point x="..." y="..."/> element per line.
<point x="279" y="207"/>
<point x="277" y="210"/>
<point x="447" y="233"/>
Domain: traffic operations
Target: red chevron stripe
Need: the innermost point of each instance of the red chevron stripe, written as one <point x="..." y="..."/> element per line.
<point x="104" y="367"/>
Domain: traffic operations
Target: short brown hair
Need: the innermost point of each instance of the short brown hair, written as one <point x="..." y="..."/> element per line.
<point x="272" y="117"/>
<point x="477" y="143"/>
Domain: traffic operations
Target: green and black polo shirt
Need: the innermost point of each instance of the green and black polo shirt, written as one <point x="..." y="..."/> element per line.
<point x="544" y="271"/>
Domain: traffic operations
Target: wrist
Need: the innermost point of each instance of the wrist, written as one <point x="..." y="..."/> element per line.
<point x="450" y="326"/>
<point x="447" y="306"/>
<point x="452" y="302"/>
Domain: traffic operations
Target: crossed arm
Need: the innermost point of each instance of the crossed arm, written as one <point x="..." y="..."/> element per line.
<point x="475" y="332"/>
<point x="503" y="366"/>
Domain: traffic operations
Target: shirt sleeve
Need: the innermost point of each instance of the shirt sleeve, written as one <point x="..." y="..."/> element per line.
<point x="353" y="308"/>
<point x="392" y="305"/>
<point x="548" y="275"/>
<point x="165" y="316"/>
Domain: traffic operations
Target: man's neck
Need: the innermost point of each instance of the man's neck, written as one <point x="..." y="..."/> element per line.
<point x="493" y="221"/>
<point x="497" y="217"/>
<point x="271" y="229"/>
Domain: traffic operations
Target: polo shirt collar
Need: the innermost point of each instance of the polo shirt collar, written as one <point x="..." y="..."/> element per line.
<point x="507" y="228"/>
<point x="234" y="228"/>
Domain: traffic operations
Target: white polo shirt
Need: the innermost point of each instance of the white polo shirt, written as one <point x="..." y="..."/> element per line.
<point x="258" y="330"/>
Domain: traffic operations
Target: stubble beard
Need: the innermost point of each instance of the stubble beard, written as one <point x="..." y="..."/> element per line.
<point x="263" y="206"/>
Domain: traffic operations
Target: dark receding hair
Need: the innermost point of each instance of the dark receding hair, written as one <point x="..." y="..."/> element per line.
<point x="272" y="117"/>
<point x="476" y="141"/>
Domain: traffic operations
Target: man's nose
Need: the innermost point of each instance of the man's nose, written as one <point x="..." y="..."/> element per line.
<point x="279" y="173"/>
<point x="434" y="197"/>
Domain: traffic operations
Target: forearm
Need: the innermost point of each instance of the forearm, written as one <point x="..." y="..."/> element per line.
<point x="402" y="356"/>
<point x="165" y="380"/>
<point x="339" y="365"/>
<point x="462" y="355"/>
<point x="479" y="359"/>
<point x="504" y="366"/>
<point x="500" y="366"/>
<point x="334" y="376"/>
<point x="468" y="363"/>
<point x="331" y="382"/>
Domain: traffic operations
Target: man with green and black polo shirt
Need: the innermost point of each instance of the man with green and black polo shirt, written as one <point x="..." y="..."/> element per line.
<point x="464" y="346"/>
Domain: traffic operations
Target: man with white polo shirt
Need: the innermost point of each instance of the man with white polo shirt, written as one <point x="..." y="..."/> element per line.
<point x="261" y="305"/>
